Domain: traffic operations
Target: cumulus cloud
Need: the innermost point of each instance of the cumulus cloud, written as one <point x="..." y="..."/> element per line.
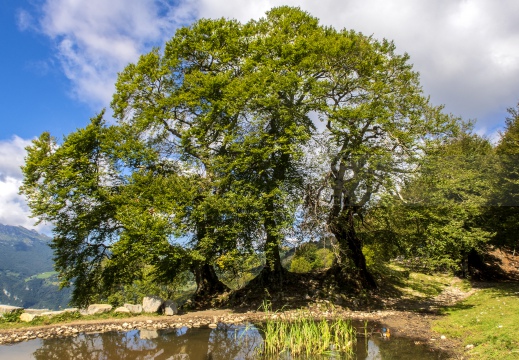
<point x="14" y="210"/>
<point x="465" y="50"/>
<point x="95" y="39"/>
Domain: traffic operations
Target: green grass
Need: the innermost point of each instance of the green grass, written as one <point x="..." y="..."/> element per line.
<point x="12" y="321"/>
<point x="489" y="320"/>
<point x="44" y="275"/>
<point x="419" y="285"/>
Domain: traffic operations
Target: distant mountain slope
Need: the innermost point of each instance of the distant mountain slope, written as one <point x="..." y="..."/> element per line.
<point x="27" y="276"/>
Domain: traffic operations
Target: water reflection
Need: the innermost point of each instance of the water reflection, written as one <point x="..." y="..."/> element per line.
<point x="225" y="342"/>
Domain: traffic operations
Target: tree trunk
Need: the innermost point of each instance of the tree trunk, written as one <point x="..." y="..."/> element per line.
<point x="207" y="284"/>
<point x="343" y="228"/>
<point x="272" y="273"/>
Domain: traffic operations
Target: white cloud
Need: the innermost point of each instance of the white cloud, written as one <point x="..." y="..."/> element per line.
<point x="12" y="153"/>
<point x="465" y="50"/>
<point x="96" y="39"/>
<point x="24" y="19"/>
<point x="14" y="210"/>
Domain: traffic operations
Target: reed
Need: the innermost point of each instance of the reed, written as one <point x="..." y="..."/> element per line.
<point x="303" y="336"/>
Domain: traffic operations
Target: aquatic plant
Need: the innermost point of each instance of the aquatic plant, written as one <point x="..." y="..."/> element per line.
<point x="304" y="336"/>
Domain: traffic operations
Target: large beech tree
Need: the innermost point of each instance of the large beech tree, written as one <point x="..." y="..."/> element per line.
<point x="209" y="146"/>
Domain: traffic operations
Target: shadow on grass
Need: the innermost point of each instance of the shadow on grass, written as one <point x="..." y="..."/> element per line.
<point x="455" y="307"/>
<point x="499" y="289"/>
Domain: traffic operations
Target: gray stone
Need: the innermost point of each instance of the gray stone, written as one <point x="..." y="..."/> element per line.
<point x="36" y="311"/>
<point x="134" y="309"/>
<point x="27" y="317"/>
<point x="70" y="309"/>
<point x="122" y="309"/>
<point x="7" y="309"/>
<point x="170" y="308"/>
<point x="151" y="304"/>
<point x="98" y="309"/>
<point x="51" y="313"/>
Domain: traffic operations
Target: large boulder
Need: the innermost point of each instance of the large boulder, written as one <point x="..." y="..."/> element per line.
<point x="52" y="313"/>
<point x="28" y="317"/>
<point x="36" y="311"/>
<point x="151" y="304"/>
<point x="98" y="309"/>
<point x="122" y="309"/>
<point x="7" y="309"/>
<point x="134" y="309"/>
<point x="170" y="308"/>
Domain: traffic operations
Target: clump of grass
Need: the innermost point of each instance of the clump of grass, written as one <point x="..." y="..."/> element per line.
<point x="303" y="336"/>
<point x="11" y="317"/>
<point x="48" y="320"/>
<point x="12" y="320"/>
<point x="488" y="320"/>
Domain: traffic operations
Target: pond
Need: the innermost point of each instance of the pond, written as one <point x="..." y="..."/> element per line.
<point x="222" y="343"/>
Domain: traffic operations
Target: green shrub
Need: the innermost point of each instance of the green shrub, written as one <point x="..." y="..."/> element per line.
<point x="309" y="257"/>
<point x="300" y="265"/>
<point x="11" y="317"/>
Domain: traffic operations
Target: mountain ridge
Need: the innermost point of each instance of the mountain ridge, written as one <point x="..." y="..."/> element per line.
<point x="27" y="276"/>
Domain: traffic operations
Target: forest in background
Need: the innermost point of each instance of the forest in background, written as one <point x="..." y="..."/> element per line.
<point x="239" y="142"/>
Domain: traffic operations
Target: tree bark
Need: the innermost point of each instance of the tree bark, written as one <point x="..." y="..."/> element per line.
<point x="207" y="284"/>
<point x="343" y="228"/>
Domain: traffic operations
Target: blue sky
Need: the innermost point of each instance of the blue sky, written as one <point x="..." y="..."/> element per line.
<point x="35" y="97"/>
<point x="60" y="58"/>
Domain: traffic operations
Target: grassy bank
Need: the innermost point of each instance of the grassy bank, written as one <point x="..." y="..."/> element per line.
<point x="12" y="321"/>
<point x="488" y="320"/>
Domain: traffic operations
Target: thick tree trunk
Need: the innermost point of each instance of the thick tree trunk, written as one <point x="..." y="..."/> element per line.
<point x="207" y="284"/>
<point x="272" y="273"/>
<point x="343" y="228"/>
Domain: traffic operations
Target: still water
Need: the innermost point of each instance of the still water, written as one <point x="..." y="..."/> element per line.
<point x="223" y="343"/>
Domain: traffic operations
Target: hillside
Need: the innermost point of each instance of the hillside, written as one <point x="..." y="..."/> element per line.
<point x="27" y="277"/>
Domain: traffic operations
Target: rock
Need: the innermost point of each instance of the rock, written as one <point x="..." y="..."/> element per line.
<point x="69" y="310"/>
<point x="7" y="309"/>
<point x="213" y="326"/>
<point x="36" y="311"/>
<point x="27" y="317"/>
<point x="443" y="337"/>
<point x="51" y="313"/>
<point x="170" y="308"/>
<point x="151" y="304"/>
<point x="122" y="309"/>
<point x="134" y="309"/>
<point x="469" y="347"/>
<point x="98" y="309"/>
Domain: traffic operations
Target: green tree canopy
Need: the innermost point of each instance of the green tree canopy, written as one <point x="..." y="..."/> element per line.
<point x="208" y="158"/>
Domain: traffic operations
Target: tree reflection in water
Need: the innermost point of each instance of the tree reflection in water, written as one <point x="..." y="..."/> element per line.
<point x="224" y="342"/>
